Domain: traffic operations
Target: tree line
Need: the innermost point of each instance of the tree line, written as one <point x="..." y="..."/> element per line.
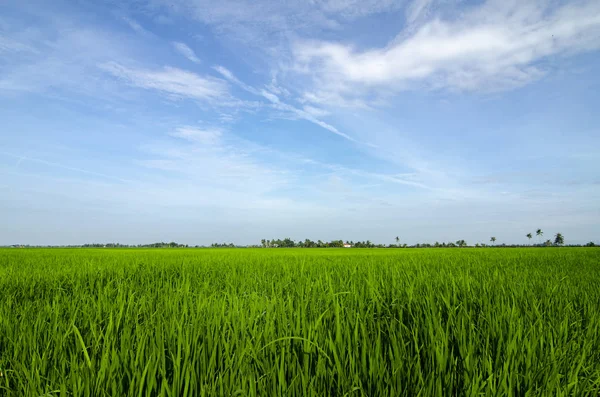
<point x="307" y="243"/>
<point x="287" y="242"/>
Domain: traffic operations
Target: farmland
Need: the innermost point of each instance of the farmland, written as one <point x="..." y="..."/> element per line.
<point x="329" y="322"/>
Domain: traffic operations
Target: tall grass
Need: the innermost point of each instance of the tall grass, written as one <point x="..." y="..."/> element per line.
<point x="300" y="322"/>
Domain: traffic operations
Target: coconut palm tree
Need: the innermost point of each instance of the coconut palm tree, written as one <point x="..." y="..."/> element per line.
<point x="559" y="239"/>
<point x="397" y="240"/>
<point x="493" y="240"/>
<point x="529" y="236"/>
<point x="539" y="233"/>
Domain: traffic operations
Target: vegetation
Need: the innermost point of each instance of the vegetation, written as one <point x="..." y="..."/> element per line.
<point x="539" y="233"/>
<point x="256" y="322"/>
<point x="307" y="243"/>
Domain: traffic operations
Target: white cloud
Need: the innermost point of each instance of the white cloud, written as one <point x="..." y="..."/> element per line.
<point x="186" y="52"/>
<point x="495" y="46"/>
<point x="171" y="81"/>
<point x="197" y="135"/>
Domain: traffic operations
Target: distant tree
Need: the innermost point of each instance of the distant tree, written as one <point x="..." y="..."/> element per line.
<point x="559" y="239"/>
<point x="309" y="243"/>
<point x="287" y="243"/>
<point x="529" y="236"/>
<point x="548" y="243"/>
<point x="539" y="233"/>
<point x="590" y="244"/>
<point x="493" y="240"/>
<point x="397" y="240"/>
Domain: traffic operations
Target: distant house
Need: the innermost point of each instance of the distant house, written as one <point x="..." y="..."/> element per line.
<point x="347" y="245"/>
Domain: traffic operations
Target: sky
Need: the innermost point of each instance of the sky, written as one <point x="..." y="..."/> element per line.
<point x="199" y="121"/>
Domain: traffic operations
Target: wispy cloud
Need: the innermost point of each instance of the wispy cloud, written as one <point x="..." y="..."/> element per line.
<point x="268" y="23"/>
<point x="60" y="57"/>
<point x="186" y="51"/>
<point x="307" y="113"/>
<point x="417" y="10"/>
<point x="227" y="74"/>
<point x="135" y="26"/>
<point x="197" y="135"/>
<point x="12" y="45"/>
<point x="214" y="159"/>
<point x="21" y="159"/>
<point x="171" y="81"/>
<point x="492" y="47"/>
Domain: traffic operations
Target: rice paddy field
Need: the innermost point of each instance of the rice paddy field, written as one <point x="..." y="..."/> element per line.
<point x="300" y="322"/>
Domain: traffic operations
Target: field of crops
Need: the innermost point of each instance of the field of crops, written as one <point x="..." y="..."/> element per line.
<point x="312" y="322"/>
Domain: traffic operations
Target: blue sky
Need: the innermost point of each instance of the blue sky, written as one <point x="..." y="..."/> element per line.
<point x="201" y="121"/>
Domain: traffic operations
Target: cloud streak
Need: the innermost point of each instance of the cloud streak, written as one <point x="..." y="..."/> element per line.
<point x="309" y="113"/>
<point x="174" y="82"/>
<point x="186" y="51"/>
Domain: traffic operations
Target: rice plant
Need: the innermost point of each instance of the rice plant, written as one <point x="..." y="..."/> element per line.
<point x="295" y="322"/>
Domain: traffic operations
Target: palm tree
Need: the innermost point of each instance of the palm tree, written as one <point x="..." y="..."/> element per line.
<point x="493" y="239"/>
<point x="539" y="233"/>
<point x="559" y="239"/>
<point x="397" y="240"/>
<point x="529" y="236"/>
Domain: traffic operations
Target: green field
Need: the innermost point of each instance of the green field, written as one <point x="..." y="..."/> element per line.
<point x="312" y="322"/>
